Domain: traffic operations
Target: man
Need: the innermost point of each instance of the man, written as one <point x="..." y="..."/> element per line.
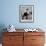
<point x="25" y="15"/>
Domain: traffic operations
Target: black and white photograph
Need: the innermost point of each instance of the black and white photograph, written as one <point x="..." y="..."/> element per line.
<point x="26" y="13"/>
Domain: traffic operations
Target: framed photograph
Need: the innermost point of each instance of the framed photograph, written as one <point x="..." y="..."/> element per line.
<point x="26" y="13"/>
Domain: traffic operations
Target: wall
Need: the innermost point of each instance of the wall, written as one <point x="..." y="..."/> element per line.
<point x="9" y="13"/>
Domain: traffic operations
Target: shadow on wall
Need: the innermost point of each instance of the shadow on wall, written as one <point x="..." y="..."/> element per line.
<point x="2" y="26"/>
